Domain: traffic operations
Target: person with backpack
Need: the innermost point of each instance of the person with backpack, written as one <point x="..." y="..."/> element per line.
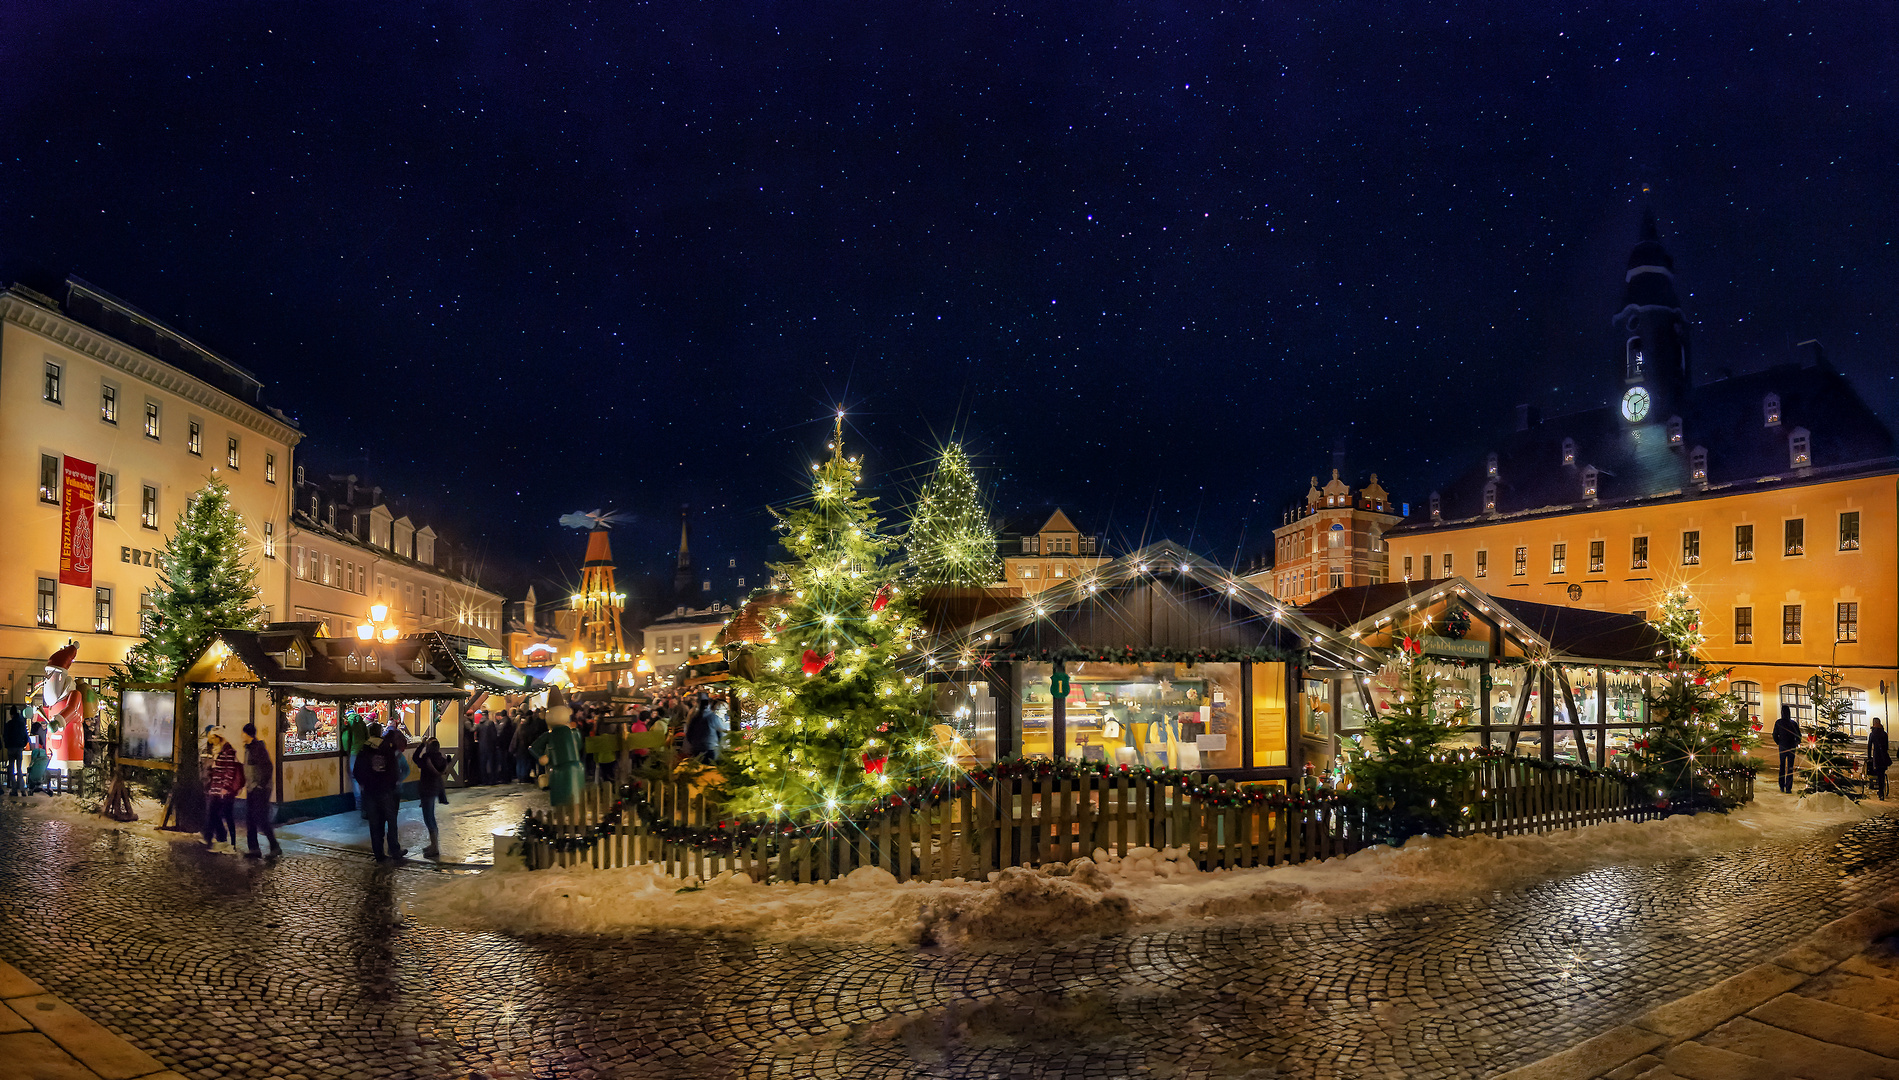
<point x="377" y="773"/>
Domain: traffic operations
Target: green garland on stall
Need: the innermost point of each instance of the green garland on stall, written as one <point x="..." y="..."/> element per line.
<point x="1132" y="655"/>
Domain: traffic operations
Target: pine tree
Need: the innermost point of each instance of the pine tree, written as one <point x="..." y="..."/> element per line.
<point x="1695" y="727"/>
<point x="838" y="723"/>
<point x="949" y="541"/>
<point x="206" y="582"/>
<point x="1827" y="742"/>
<point x="1408" y="778"/>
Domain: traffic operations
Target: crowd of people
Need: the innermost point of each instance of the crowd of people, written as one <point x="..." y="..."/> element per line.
<point x="499" y="743"/>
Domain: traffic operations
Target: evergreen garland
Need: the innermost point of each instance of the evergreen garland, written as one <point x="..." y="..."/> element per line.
<point x="1408" y="779"/>
<point x="206" y="583"/>
<point x="949" y="541"/>
<point x="836" y="723"/>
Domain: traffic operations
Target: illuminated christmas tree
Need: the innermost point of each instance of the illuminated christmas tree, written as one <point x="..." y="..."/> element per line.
<point x="206" y="582"/>
<point x="1827" y="743"/>
<point x="1695" y="726"/>
<point x="950" y="541"/>
<point x="1403" y="769"/>
<point x="838" y="725"/>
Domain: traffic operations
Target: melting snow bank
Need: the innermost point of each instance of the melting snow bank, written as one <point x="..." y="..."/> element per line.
<point x="1102" y="894"/>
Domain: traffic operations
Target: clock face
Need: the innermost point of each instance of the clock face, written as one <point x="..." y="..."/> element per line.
<point x="1635" y="405"/>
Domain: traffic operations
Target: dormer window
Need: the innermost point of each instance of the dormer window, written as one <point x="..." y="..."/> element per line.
<point x="1638" y="360"/>
<point x="1799" y="448"/>
<point x="369" y="661"/>
<point x="1589" y="477"/>
<point x="354" y="662"/>
<point x="1030" y="544"/>
<point x="1436" y="511"/>
<point x="1490" y="497"/>
<point x="293" y="655"/>
<point x="1674" y="431"/>
<point x="1569" y="451"/>
<point x="1770" y="410"/>
<point x="1490" y="466"/>
<point x="1698" y="464"/>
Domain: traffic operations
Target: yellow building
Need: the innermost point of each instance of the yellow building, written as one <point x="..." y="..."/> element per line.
<point x="1772" y="496"/>
<point x="93" y="383"/>
<point x="1052" y="554"/>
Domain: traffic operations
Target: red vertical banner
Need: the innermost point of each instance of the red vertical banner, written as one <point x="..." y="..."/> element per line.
<point x="79" y="487"/>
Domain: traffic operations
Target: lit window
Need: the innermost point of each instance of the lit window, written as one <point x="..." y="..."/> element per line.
<point x="1770" y="410"/>
<point x="1589" y="477"/>
<point x="1790" y="624"/>
<point x="1447" y="564"/>
<point x="1596" y="556"/>
<point x="1638" y="553"/>
<point x="49" y="478"/>
<point x="1799" y="705"/>
<point x="1691" y="547"/>
<point x="270" y="539"/>
<point x="230" y="451"/>
<point x="1490" y="466"/>
<point x="102" y="610"/>
<point x="1483" y="563"/>
<point x="49" y="602"/>
<point x="148" y="507"/>
<point x="1799" y="448"/>
<point x="1743" y="543"/>
<point x="1490" y="497"/>
<point x="1698" y="464"/>
<point x="1407" y="568"/>
<point x="194" y="438"/>
<point x="151" y="419"/>
<point x="1849" y="531"/>
<point x="108" y="495"/>
<point x="270" y="468"/>
<point x="1846" y="629"/>
<point x="1795" y="537"/>
<point x="1338" y="577"/>
<point x="1674" y="431"/>
<point x="1520" y="567"/>
<point x="109" y="403"/>
<point x="1569" y="451"/>
<point x="50" y="389"/>
<point x="1744" y="626"/>
<point x="1559" y="558"/>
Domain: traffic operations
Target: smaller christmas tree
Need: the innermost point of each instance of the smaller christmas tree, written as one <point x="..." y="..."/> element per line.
<point x="1696" y="728"/>
<point x="949" y="541"/>
<point x="206" y="582"/>
<point x="1408" y="777"/>
<point x="1827" y="742"/>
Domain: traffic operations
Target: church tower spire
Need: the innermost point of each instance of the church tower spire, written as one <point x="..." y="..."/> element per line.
<point x="1654" y="361"/>
<point x="682" y="572"/>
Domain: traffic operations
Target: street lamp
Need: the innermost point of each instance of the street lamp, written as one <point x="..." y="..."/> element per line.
<point x="378" y="625"/>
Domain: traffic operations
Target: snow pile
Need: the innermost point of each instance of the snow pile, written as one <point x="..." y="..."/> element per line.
<point x="1097" y="894"/>
<point x="1827" y="802"/>
<point x="66" y="810"/>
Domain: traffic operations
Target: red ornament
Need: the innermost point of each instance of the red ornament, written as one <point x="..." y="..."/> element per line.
<point x="875" y="765"/>
<point x="813" y="663"/>
<point x="882" y="601"/>
<point x="1735" y="747"/>
<point x="1412" y="646"/>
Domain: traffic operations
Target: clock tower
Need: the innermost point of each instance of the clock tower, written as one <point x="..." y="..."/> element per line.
<point x="1654" y="362"/>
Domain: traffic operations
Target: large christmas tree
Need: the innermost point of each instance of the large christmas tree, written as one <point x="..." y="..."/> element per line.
<point x="838" y="724"/>
<point x="950" y="541"/>
<point x="1408" y="777"/>
<point x="1828" y="742"/>
<point x="206" y="582"/>
<point x="1696" y="727"/>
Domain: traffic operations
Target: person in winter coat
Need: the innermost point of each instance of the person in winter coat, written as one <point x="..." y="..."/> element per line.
<point x="431" y="769"/>
<point x="223" y="780"/>
<point x="1787" y="739"/>
<point x="531" y="729"/>
<point x="510" y="726"/>
<point x="376" y="773"/>
<point x="259" y="783"/>
<point x="38" y="758"/>
<point x="13" y="739"/>
<point x="487" y="741"/>
<point x="1878" y="757"/>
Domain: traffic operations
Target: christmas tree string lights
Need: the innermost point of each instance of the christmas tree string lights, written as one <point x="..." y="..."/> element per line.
<point x="949" y="541"/>
<point x="206" y="583"/>
<point x="1697" y="729"/>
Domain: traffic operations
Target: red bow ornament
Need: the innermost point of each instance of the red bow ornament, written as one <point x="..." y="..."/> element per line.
<point x="882" y="601"/>
<point x="813" y="663"/>
<point x="1411" y="645"/>
<point x="874" y="764"/>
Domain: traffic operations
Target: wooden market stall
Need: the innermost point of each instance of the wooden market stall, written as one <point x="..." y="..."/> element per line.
<point x="1559" y="682"/>
<point x="1160" y="658"/>
<point x="302" y="690"/>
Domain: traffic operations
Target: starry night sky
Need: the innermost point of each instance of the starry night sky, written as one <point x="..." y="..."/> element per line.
<point x="1151" y="261"/>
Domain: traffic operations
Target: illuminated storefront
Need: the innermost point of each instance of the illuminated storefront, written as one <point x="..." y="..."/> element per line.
<point x="1159" y="659"/>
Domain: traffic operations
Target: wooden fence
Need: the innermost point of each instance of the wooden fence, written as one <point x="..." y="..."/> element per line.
<point x="1030" y="822"/>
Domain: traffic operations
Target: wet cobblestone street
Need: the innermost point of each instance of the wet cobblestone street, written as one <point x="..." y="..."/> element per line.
<point x="304" y="967"/>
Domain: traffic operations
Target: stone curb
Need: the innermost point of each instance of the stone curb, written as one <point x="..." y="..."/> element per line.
<point x="1703" y="1011"/>
<point x="46" y="1036"/>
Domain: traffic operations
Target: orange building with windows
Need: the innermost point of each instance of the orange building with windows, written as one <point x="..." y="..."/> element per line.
<point x="1772" y="496"/>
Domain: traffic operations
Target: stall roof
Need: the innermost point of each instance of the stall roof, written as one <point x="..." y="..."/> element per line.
<point x="1159" y="603"/>
<point x="1567" y="632"/>
<point x="467" y="660"/>
<point x="291" y="656"/>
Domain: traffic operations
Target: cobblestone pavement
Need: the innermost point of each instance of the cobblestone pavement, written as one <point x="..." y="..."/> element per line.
<point x="302" y="967"/>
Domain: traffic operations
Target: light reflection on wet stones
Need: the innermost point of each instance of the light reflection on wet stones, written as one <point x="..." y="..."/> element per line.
<point x="304" y="967"/>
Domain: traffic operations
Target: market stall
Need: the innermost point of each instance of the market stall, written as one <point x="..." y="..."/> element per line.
<point x="1557" y="682"/>
<point x="1160" y="658"/>
<point x="305" y="692"/>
